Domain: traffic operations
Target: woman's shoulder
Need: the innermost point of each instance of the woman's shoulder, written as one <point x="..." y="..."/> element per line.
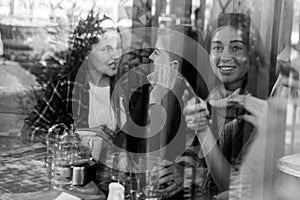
<point x="61" y="86"/>
<point x="70" y="79"/>
<point x="60" y="82"/>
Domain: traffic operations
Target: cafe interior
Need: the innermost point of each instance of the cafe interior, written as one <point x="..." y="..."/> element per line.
<point x="149" y="99"/>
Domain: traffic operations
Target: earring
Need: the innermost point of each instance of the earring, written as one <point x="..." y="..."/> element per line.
<point x="174" y="64"/>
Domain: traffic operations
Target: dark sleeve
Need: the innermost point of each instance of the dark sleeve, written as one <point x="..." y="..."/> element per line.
<point x="46" y="113"/>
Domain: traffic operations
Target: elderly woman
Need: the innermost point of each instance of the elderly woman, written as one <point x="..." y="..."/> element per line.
<point x="236" y="105"/>
<point x="83" y="95"/>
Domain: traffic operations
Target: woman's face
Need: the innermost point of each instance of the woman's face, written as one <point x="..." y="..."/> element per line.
<point x="106" y="54"/>
<point x="230" y="55"/>
<point x="159" y="56"/>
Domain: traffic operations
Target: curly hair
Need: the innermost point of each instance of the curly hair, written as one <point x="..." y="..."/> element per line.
<point x="258" y="75"/>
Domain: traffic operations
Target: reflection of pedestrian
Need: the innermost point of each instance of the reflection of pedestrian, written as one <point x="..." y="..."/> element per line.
<point x="1" y="46"/>
<point x="83" y="95"/>
<point x="200" y="20"/>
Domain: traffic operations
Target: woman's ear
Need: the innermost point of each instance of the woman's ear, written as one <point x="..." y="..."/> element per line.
<point x="175" y="65"/>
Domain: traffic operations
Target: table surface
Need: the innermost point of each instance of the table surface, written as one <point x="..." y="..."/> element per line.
<point x="23" y="171"/>
<point x="22" y="167"/>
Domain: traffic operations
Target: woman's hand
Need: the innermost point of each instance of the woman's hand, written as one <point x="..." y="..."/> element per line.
<point x="196" y="114"/>
<point x="256" y="108"/>
<point x="170" y="178"/>
<point x="165" y="80"/>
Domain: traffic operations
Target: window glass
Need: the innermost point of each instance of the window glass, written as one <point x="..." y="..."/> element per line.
<point x="179" y="81"/>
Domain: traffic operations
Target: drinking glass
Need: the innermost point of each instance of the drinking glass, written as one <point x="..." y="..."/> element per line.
<point x="149" y="177"/>
<point x="123" y="168"/>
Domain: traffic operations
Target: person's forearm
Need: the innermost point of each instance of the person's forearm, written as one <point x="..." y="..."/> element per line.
<point x="28" y="135"/>
<point x="217" y="163"/>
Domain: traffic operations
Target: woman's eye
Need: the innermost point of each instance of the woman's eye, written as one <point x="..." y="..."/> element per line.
<point x="107" y="49"/>
<point x="217" y="48"/>
<point x="236" y="48"/>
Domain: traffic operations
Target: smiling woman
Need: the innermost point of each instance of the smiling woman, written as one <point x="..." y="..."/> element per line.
<point x="237" y="54"/>
<point x="236" y="105"/>
<point x="237" y="59"/>
<point x="229" y="52"/>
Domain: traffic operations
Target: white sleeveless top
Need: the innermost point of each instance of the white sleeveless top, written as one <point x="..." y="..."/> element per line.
<point x="100" y="110"/>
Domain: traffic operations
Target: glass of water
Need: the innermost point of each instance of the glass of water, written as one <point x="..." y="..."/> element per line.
<point x="149" y="177"/>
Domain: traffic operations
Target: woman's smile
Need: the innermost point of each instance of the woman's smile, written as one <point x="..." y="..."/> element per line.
<point x="226" y="69"/>
<point x="230" y="56"/>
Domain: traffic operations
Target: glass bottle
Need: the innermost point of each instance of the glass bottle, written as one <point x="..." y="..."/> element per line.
<point x="52" y="140"/>
<point x="121" y="174"/>
<point x="63" y="162"/>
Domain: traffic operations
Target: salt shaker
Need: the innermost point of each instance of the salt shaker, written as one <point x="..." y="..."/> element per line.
<point x="116" y="191"/>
